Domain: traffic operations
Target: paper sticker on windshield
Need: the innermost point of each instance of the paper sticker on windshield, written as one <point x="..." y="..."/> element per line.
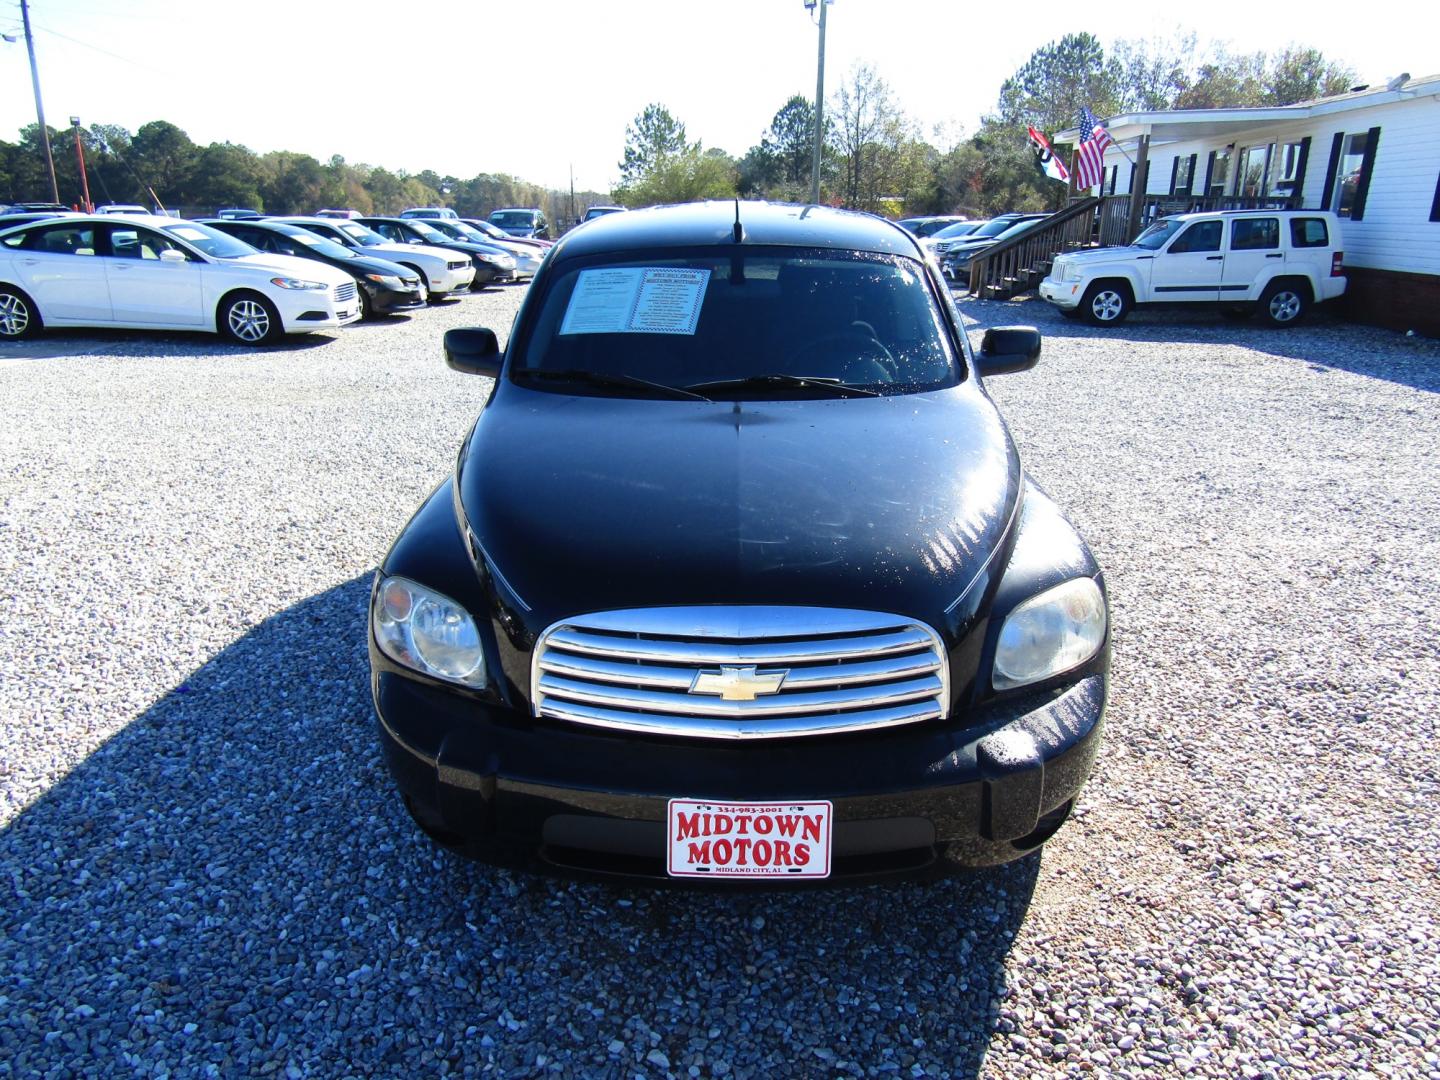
<point x="636" y="300"/>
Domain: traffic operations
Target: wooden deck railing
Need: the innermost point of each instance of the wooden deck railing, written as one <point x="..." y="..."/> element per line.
<point x="1016" y="264"/>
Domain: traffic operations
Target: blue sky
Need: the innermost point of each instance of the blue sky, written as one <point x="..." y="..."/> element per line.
<point x="534" y="89"/>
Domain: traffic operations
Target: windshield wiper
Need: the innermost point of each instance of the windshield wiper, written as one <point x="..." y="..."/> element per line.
<point x="596" y="378"/>
<point x="799" y="382"/>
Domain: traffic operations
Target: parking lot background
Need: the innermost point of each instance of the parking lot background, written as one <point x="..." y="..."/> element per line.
<point x="204" y="871"/>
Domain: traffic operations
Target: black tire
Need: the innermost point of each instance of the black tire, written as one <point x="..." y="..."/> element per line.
<point x="247" y="318"/>
<point x="367" y="309"/>
<point x="19" y="318"/>
<point x="1106" y="303"/>
<point x="1284" y="303"/>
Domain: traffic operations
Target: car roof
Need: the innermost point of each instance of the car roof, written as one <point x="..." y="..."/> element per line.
<point x="712" y="223"/>
<point x="1196" y="214"/>
<point x="250" y="223"/>
<point x="155" y="221"/>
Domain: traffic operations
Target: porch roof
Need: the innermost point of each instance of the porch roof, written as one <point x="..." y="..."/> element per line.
<point x="1173" y="124"/>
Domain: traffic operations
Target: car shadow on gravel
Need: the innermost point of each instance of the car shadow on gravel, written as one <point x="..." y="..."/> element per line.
<point x="229" y="885"/>
<point x="1322" y="341"/>
<point x="66" y="341"/>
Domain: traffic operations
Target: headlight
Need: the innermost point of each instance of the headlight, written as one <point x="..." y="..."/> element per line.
<point x="390" y="281"/>
<point x="298" y="283"/>
<point x="1049" y="634"/>
<point x="428" y="632"/>
<point x="1071" y="273"/>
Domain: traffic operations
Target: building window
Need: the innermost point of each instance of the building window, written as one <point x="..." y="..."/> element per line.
<point x="1184" y="173"/>
<point x="1110" y="173"/>
<point x="1352" y="178"/>
<point x="1287" y="169"/>
<point x="1252" y="171"/>
<point x="1220" y="171"/>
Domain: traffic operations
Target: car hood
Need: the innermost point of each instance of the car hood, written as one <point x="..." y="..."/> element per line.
<point x="1101" y="255"/>
<point x="891" y="504"/>
<point x="390" y="248"/>
<point x="291" y="266"/>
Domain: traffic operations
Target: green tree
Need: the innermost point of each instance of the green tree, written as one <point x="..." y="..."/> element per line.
<point x="649" y="140"/>
<point x="225" y="174"/>
<point x="690" y="174"/>
<point x="164" y="157"/>
<point x="873" y="139"/>
<point x="1058" y="80"/>
<point x="1304" y="74"/>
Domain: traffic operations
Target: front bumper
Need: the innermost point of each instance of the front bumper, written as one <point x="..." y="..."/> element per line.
<point x="908" y="801"/>
<point x="1063" y="294"/>
<point x="387" y="301"/>
<point x="444" y="282"/>
<point x="304" y="310"/>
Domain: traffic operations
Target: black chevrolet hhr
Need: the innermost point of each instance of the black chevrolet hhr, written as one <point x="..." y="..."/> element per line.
<point x="738" y="576"/>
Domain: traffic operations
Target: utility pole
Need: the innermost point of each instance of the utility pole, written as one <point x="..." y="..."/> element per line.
<point x="39" y="108"/>
<point x="80" y="157"/>
<point x="819" y="103"/>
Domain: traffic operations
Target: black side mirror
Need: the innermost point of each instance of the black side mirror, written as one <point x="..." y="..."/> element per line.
<point x="1008" y="348"/>
<point x="474" y="350"/>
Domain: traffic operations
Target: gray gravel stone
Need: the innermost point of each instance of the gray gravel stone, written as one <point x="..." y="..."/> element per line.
<point x="204" y="871"/>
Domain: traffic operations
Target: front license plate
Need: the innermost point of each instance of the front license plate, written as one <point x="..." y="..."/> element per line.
<point x="769" y="840"/>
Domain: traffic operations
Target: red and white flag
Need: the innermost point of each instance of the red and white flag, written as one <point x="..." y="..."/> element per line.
<point x="1093" y="141"/>
<point x="1051" y="165"/>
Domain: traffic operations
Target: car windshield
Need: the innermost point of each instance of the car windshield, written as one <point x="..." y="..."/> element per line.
<point x="513" y="219"/>
<point x="491" y="230"/>
<point x="993" y="228"/>
<point x="465" y="232"/>
<point x="428" y="231"/>
<point x="318" y="244"/>
<point x="763" y="323"/>
<point x="1153" y="238"/>
<point x="1017" y="227"/>
<point x="361" y="234"/>
<point x="212" y="242"/>
<point x="955" y="228"/>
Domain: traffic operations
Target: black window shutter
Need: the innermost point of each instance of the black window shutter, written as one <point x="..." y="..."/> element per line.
<point x="1336" y="146"/>
<point x="1174" y="172"/>
<point x="1209" y="172"/>
<point x="1132" y="179"/>
<point x="1299" y="189"/>
<point x="1366" y="168"/>
<point x="1190" y="184"/>
<point x="1435" y="206"/>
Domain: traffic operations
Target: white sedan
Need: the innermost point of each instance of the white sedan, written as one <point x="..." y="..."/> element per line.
<point x="158" y="273"/>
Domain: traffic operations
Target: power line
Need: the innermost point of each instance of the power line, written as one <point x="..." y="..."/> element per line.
<point x="107" y="52"/>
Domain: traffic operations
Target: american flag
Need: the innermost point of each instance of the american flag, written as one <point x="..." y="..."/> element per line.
<point x="1093" y="141"/>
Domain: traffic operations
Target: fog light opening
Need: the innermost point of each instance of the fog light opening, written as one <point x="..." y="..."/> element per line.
<point x="1048" y="825"/>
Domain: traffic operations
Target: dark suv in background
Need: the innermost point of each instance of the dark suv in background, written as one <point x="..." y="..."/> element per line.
<point x="528" y="224"/>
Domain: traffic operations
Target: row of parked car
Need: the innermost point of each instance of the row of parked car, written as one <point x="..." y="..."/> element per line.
<point x="248" y="277"/>
<point x="955" y="241"/>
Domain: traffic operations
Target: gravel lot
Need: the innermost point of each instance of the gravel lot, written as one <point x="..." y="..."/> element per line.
<point x="203" y="870"/>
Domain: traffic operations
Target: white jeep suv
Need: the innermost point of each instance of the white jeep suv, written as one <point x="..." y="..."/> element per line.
<point x="1278" y="262"/>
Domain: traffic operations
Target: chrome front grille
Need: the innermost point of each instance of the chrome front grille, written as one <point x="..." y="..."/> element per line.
<point x="344" y="293"/>
<point x="740" y="672"/>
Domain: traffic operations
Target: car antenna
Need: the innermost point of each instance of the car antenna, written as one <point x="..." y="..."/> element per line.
<point x="739" y="229"/>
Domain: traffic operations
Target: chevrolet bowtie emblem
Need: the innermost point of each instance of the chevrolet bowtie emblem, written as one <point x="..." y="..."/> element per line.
<point x="738" y="683"/>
